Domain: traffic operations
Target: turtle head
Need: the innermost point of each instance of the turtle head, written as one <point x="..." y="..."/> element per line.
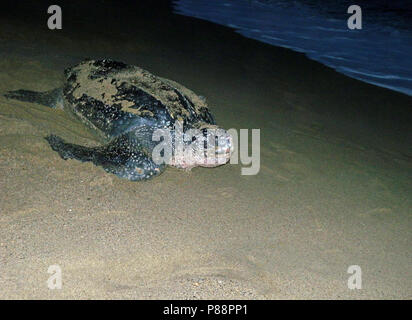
<point x="205" y="145"/>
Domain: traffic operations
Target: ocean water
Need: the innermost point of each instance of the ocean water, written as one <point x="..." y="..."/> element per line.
<point x="380" y="53"/>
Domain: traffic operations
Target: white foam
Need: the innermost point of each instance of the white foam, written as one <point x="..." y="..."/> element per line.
<point x="375" y="54"/>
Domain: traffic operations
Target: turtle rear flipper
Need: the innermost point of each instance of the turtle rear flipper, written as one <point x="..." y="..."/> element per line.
<point x="123" y="157"/>
<point x="52" y="98"/>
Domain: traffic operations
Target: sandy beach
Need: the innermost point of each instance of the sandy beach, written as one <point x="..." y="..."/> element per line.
<point x="334" y="187"/>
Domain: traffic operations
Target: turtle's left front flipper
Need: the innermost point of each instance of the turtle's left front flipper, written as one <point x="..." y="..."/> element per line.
<point x="123" y="156"/>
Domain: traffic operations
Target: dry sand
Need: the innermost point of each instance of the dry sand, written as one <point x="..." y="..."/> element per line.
<point x="334" y="188"/>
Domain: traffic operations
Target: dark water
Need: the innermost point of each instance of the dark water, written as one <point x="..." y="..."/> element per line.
<point x="380" y="53"/>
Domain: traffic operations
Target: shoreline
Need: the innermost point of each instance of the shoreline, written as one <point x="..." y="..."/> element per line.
<point x="322" y="38"/>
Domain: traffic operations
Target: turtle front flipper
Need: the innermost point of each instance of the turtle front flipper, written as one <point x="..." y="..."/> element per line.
<point x="123" y="156"/>
<point x="52" y="98"/>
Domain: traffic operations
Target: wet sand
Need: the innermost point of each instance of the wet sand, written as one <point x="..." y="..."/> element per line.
<point x="334" y="187"/>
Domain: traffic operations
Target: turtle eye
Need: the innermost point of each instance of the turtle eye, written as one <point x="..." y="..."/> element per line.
<point x="218" y="141"/>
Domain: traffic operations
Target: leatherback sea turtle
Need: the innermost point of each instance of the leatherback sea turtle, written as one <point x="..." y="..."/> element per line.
<point x="126" y="105"/>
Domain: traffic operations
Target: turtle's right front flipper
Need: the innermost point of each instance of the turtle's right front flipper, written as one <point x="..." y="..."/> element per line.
<point x="52" y="98"/>
<point x="124" y="157"/>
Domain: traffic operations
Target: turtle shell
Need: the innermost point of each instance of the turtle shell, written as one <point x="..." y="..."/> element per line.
<point x="114" y="98"/>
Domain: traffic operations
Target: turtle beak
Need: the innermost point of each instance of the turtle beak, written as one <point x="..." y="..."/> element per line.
<point x="223" y="148"/>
